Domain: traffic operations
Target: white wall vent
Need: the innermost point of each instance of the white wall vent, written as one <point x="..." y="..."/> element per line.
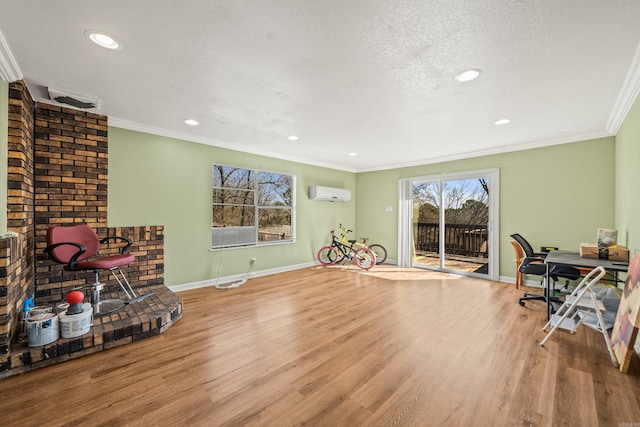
<point x="317" y="192"/>
<point x="74" y="100"/>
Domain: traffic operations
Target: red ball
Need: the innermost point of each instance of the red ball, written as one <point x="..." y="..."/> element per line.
<point x="75" y="297"/>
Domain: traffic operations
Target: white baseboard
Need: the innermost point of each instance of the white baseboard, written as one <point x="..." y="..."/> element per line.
<point x="236" y="277"/>
<point x="531" y="283"/>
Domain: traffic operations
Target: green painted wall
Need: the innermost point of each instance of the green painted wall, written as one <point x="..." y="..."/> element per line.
<point x="4" y="124"/>
<point x="155" y="180"/>
<point x="627" y="205"/>
<point x="556" y="196"/>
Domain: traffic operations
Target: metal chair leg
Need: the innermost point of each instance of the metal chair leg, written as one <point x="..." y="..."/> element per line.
<point x="128" y="290"/>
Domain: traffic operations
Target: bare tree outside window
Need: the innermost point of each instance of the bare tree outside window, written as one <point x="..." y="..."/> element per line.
<point x="250" y="207"/>
<point x="275" y="199"/>
<point x="233" y="197"/>
<point x="464" y="202"/>
<point x="465" y="207"/>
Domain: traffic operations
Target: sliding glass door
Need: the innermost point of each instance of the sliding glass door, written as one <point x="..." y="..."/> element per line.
<point x="451" y="220"/>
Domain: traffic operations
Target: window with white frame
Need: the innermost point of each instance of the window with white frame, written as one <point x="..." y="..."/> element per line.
<point x="251" y="207"/>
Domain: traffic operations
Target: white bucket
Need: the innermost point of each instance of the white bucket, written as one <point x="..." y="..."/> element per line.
<point x="42" y="329"/>
<point x="75" y="325"/>
<point x="40" y="309"/>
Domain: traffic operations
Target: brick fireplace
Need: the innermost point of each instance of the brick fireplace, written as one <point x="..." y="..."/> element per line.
<point x="57" y="175"/>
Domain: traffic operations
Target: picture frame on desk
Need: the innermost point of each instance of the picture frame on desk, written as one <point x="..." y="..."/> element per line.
<point x="607" y="237"/>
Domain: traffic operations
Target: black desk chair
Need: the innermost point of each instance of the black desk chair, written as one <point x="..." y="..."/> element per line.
<point x="529" y="253"/>
<point x="526" y="247"/>
<point x="551" y="273"/>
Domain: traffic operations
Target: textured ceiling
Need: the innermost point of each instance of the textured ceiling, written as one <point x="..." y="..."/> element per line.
<point x="372" y="77"/>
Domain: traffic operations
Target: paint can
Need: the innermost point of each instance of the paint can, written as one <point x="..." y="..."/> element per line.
<point x="75" y="325"/>
<point x="42" y="329"/>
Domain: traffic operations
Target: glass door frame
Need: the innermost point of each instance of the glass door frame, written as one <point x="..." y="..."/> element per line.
<point x="405" y="220"/>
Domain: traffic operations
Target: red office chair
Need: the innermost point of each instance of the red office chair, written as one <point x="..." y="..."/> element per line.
<point x="73" y="245"/>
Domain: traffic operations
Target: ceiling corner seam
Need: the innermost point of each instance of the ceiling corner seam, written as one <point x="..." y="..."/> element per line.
<point x="627" y="95"/>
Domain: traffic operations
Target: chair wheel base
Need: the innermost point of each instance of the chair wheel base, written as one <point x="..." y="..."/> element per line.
<point x="107" y="306"/>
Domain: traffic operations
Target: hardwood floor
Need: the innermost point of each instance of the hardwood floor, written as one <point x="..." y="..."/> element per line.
<point x="340" y="347"/>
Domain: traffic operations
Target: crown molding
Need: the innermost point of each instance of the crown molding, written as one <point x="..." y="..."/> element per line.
<point x="627" y="95"/>
<point x="153" y="130"/>
<point x="9" y="70"/>
<point x="491" y="151"/>
<point x="137" y="127"/>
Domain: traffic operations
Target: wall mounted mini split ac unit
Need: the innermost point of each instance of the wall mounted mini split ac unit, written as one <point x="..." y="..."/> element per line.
<point x="317" y="192"/>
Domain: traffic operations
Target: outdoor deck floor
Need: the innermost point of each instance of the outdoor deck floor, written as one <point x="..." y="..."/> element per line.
<point x="454" y="262"/>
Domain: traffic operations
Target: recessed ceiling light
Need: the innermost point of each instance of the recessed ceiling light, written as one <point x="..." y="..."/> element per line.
<point x="501" y="122"/>
<point x="192" y="122"/>
<point x="467" y="76"/>
<point x="353" y="154"/>
<point x="104" y="40"/>
<point x="293" y="138"/>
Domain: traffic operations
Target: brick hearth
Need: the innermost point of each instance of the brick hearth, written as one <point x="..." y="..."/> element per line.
<point x="143" y="319"/>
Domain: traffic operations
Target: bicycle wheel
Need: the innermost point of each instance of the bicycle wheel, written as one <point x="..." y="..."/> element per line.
<point x="340" y="255"/>
<point x="327" y="255"/>
<point x="336" y="255"/>
<point x="364" y="258"/>
<point x="380" y="252"/>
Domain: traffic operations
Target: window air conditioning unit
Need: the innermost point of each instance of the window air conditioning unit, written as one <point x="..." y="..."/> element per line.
<point x="232" y="236"/>
<point x="317" y="192"/>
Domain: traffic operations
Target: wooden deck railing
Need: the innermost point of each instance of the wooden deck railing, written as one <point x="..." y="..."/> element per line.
<point x="460" y="239"/>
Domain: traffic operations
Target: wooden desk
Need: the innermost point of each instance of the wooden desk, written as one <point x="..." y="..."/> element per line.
<point x="574" y="258"/>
